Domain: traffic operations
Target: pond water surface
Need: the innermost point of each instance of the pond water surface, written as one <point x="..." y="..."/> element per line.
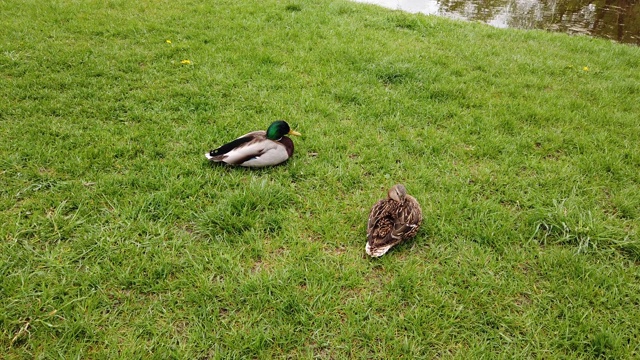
<point x="617" y="20"/>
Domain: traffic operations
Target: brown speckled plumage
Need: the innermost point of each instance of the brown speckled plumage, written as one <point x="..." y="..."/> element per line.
<point x="392" y="220"/>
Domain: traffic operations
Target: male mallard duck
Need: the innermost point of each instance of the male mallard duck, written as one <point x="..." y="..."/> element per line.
<point x="392" y="220"/>
<point x="258" y="148"/>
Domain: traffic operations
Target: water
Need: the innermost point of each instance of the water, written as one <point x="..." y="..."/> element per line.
<point x="617" y="20"/>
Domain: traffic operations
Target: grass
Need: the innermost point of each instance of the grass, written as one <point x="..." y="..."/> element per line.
<point x="120" y="241"/>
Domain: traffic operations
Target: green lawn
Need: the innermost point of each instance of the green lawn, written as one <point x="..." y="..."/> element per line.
<point x="119" y="240"/>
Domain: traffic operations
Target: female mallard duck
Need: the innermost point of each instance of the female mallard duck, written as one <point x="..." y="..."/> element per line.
<point x="392" y="220"/>
<point x="257" y="148"/>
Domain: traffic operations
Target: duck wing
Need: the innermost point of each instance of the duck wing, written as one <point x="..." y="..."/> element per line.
<point x="230" y="146"/>
<point x="408" y="219"/>
<point x="381" y="222"/>
<point x="239" y="150"/>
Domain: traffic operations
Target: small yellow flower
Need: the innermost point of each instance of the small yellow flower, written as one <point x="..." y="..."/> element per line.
<point x="586" y="68"/>
<point x="168" y="41"/>
<point x="185" y="62"/>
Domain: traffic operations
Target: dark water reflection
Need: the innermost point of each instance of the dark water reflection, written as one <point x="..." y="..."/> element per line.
<point x="618" y="20"/>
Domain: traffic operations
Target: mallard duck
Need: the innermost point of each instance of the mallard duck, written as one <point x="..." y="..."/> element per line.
<point x="392" y="220"/>
<point x="258" y="148"/>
